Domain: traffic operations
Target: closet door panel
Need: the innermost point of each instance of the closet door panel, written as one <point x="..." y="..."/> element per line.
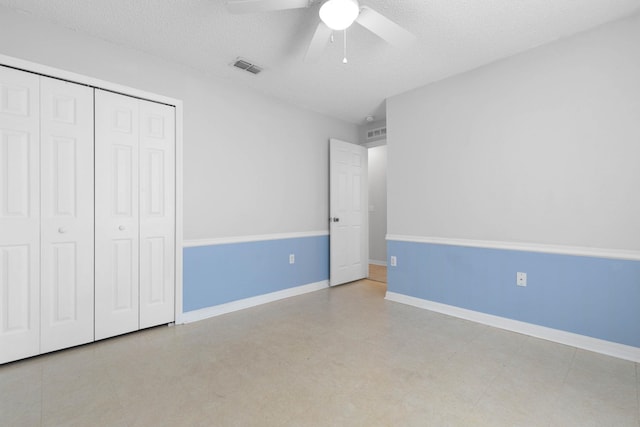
<point x="67" y="214"/>
<point x="157" y="213"/>
<point x="19" y="215"/>
<point x="116" y="213"/>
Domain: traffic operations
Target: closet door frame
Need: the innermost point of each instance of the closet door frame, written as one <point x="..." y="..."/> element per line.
<point x="45" y="70"/>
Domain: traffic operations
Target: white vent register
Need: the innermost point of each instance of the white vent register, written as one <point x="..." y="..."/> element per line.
<point x="377" y="133"/>
<point x="247" y="66"/>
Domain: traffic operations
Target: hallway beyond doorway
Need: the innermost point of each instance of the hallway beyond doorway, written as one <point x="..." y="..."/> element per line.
<point x="378" y="273"/>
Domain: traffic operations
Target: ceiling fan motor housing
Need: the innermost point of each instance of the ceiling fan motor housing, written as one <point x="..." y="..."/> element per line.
<point x="339" y="14"/>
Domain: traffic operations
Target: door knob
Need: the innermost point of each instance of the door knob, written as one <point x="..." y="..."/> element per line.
<point x="334" y="219"/>
<point x="121" y="228"/>
<point x="62" y="230"/>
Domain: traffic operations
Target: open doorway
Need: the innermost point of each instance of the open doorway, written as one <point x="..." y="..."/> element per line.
<point x="375" y="136"/>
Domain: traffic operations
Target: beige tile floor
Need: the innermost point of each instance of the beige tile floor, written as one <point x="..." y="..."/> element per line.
<point x="337" y="357"/>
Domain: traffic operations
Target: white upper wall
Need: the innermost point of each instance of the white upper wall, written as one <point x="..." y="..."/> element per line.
<point x="542" y="147"/>
<point x="252" y="164"/>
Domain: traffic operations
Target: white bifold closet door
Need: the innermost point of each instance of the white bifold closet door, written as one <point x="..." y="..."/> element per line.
<point x="66" y="207"/>
<point x="135" y="218"/>
<point x="19" y="215"/>
<point x="46" y="214"/>
<point x="157" y="214"/>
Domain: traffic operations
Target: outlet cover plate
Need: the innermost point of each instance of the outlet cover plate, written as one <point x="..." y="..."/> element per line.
<point x="521" y="279"/>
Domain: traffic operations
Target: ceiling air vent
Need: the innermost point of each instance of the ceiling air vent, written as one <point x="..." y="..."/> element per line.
<point x="245" y="65"/>
<point x="377" y="133"/>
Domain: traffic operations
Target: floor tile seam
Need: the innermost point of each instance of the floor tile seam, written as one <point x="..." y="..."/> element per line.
<point x="547" y="415"/>
<point x="483" y="394"/>
<point x="558" y="405"/>
<point x="571" y="364"/>
<point x="621" y="401"/>
<point x="41" y="396"/>
<point x="463" y="349"/>
<point x="118" y="399"/>
<point x="616" y="374"/>
<point x="553" y="388"/>
<point x="522" y="346"/>
<point x="477" y="337"/>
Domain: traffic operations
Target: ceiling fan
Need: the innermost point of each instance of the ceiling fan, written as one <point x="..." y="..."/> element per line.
<point x="334" y="15"/>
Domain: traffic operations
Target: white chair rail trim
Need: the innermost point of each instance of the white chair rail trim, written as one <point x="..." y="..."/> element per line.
<point x="245" y="239"/>
<point x="520" y="246"/>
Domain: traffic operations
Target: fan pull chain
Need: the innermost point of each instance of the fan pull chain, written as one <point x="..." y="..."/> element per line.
<point x="344" y="60"/>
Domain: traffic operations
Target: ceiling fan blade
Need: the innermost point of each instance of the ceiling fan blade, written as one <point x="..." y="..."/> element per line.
<point x="250" y="6"/>
<point x="318" y="42"/>
<point x="384" y="28"/>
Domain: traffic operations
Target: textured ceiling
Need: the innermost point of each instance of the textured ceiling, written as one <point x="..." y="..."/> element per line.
<point x="452" y="36"/>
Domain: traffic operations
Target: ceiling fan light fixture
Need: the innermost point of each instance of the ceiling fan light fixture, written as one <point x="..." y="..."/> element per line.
<point x="339" y="14"/>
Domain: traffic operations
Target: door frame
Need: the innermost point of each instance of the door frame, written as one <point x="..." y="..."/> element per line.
<point x="369" y="145"/>
<point x="56" y="73"/>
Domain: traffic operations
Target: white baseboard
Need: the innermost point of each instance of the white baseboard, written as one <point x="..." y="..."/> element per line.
<point x="374" y="262"/>
<point x="217" y="310"/>
<point x="609" y="348"/>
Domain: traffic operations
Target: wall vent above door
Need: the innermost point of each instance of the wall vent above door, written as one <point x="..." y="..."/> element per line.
<point x="377" y="133"/>
<point x="245" y="65"/>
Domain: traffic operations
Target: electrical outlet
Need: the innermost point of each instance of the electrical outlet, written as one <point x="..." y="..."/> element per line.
<point x="292" y="258"/>
<point x="394" y="261"/>
<point x="521" y="279"/>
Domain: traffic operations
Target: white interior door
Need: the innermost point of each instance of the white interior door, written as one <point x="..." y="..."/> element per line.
<point x="349" y="234"/>
<point x="116" y="214"/>
<point x="19" y="215"/>
<point x="66" y="193"/>
<point x="157" y="213"/>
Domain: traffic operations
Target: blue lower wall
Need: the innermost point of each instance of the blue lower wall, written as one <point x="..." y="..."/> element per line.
<point x="596" y="297"/>
<point x="218" y="274"/>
